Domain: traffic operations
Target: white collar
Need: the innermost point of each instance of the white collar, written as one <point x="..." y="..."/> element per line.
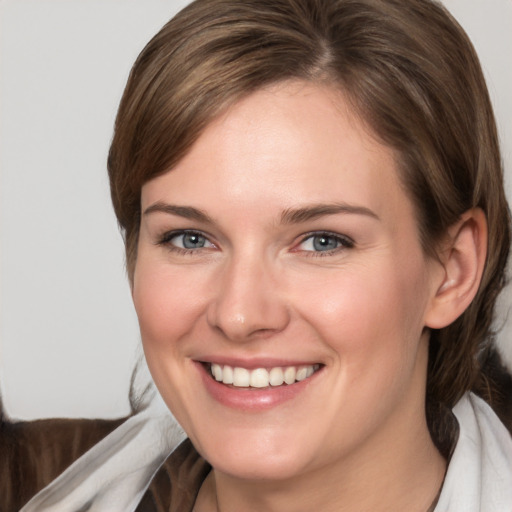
<point x="479" y="476"/>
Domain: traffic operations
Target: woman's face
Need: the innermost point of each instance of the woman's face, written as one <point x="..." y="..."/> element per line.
<point x="283" y="247"/>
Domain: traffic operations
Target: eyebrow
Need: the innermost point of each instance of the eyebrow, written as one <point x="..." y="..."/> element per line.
<point x="289" y="216"/>
<point x="298" y="215"/>
<point x="188" y="212"/>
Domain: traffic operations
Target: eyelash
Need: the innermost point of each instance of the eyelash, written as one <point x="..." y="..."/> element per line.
<point x="342" y="241"/>
<point x="165" y="240"/>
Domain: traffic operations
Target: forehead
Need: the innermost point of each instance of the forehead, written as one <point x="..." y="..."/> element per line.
<point x="293" y="142"/>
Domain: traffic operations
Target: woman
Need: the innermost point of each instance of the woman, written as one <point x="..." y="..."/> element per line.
<point x="316" y="231"/>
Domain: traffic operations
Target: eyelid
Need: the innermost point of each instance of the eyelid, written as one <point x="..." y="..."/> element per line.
<point x="165" y="240"/>
<point x="346" y="242"/>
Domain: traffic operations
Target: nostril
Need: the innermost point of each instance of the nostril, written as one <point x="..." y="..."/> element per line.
<point x="246" y="308"/>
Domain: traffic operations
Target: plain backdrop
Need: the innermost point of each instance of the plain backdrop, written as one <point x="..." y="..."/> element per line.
<point x="68" y="333"/>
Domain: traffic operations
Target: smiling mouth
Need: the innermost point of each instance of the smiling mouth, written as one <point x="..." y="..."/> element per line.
<point x="261" y="377"/>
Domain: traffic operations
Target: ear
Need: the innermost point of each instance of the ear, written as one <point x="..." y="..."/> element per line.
<point x="462" y="259"/>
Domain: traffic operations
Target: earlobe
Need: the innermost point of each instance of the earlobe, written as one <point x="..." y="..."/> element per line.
<point x="463" y="260"/>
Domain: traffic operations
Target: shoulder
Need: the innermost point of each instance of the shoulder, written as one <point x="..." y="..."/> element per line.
<point x="479" y="475"/>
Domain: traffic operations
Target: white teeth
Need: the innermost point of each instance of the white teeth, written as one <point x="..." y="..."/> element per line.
<point x="302" y="373"/>
<point x="276" y="377"/>
<point x="261" y="377"/>
<point x="241" y="377"/>
<point x="289" y="375"/>
<point x="227" y="375"/>
<point x="217" y="372"/>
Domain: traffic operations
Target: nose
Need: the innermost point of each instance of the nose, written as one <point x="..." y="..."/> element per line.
<point x="247" y="302"/>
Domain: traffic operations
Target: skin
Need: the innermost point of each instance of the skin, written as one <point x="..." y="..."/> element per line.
<point x="355" y="437"/>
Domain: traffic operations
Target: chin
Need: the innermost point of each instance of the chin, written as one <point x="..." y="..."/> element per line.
<point x="257" y="466"/>
<point x="261" y="456"/>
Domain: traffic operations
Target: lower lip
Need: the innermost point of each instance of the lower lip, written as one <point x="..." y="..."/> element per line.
<point x="252" y="399"/>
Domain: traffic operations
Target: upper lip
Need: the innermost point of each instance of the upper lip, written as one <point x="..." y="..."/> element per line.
<point x="255" y="362"/>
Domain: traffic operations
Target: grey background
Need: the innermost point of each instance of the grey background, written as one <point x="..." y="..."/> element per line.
<point x="68" y="332"/>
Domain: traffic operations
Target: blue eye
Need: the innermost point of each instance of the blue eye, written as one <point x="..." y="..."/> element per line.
<point x="190" y="240"/>
<point x="325" y="242"/>
<point x="186" y="240"/>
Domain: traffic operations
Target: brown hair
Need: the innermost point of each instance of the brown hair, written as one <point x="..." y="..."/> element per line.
<point x="409" y="70"/>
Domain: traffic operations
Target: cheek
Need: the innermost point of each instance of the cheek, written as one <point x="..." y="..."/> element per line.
<point x="368" y="312"/>
<point x="168" y="309"/>
<point x="167" y="303"/>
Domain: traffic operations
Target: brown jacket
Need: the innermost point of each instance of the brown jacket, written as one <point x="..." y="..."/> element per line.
<point x="33" y="453"/>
